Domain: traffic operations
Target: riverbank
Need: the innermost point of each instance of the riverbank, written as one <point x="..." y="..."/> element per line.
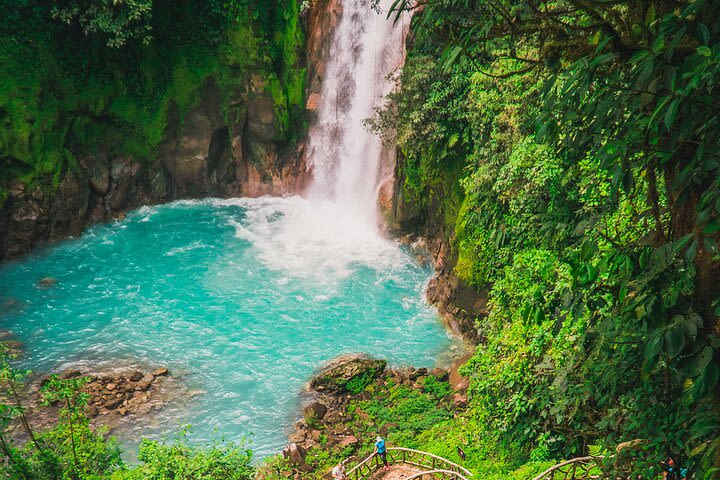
<point x="115" y="396"/>
<point x="356" y="399"/>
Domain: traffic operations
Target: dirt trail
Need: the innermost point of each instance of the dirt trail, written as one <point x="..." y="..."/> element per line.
<point x="396" y="472"/>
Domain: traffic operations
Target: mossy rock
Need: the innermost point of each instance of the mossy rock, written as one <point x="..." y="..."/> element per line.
<point x="348" y="374"/>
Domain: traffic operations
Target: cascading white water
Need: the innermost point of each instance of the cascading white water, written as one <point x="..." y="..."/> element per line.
<point x="333" y="231"/>
<point x="345" y="157"/>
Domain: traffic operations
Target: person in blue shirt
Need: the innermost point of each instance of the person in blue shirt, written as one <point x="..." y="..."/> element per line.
<point x="382" y="451"/>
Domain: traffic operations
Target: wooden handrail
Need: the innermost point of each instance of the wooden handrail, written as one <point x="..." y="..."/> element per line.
<point x="359" y="466"/>
<point x="549" y="474"/>
<point x="364" y="468"/>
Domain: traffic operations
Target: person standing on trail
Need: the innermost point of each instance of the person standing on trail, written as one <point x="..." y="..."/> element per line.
<point x="338" y="473"/>
<point x="381" y="450"/>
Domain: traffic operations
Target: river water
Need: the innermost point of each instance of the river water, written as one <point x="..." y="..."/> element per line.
<point x="241" y="298"/>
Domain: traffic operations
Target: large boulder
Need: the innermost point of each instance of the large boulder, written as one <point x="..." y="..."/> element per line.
<point x="314" y="411"/>
<point x="348" y="374"/>
<point x="294" y="454"/>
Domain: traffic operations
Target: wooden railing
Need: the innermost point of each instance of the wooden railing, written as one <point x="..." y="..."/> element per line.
<point x="583" y="468"/>
<point x="435" y="474"/>
<point x="419" y="459"/>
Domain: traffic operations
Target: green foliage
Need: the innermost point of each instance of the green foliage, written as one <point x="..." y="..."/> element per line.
<point x="104" y="76"/>
<point x="117" y="21"/>
<point x="588" y="170"/>
<point x="358" y="383"/>
<point x="68" y="394"/>
<point x="436" y="388"/>
<point x="411" y="410"/>
<point x="429" y="122"/>
<point x="94" y="456"/>
<point x="514" y="385"/>
<point x="513" y="191"/>
<point x="70" y="449"/>
<point x="180" y="460"/>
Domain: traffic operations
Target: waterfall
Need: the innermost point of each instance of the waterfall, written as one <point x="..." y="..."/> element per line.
<point x="332" y="231"/>
<point x="348" y="161"/>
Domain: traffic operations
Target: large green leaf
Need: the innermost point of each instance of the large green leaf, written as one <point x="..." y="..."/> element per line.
<point x="674" y="340"/>
<point x="698" y="362"/>
<point x="654" y="346"/>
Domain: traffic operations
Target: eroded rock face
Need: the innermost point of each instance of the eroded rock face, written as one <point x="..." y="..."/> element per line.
<point x="343" y="373"/>
<point x="205" y="153"/>
<point x="425" y="230"/>
<point x="386" y="207"/>
<point x="320" y="23"/>
<point x="196" y="146"/>
<point x="69" y="205"/>
<point x="458" y="303"/>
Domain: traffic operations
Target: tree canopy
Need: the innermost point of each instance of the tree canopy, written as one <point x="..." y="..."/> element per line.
<point x="116" y="21"/>
<point x="620" y="98"/>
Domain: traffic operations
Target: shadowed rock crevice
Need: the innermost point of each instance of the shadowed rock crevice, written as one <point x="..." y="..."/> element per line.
<point x="219" y="142"/>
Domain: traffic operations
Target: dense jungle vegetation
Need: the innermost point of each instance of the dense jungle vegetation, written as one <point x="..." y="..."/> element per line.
<point x="572" y="148"/>
<point x="569" y="148"/>
<point x="93" y="75"/>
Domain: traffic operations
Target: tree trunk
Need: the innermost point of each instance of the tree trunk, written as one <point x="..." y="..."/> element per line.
<point x="683" y="221"/>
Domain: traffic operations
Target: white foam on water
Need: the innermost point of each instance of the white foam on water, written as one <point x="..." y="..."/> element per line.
<point x="313" y="239"/>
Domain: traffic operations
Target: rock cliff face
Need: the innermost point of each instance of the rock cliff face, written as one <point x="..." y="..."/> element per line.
<point x="204" y="152"/>
<point x="458" y="303"/>
<point x="321" y="21"/>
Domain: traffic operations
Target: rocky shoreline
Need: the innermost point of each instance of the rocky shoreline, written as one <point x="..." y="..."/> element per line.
<point x="125" y="393"/>
<point x="114" y="396"/>
<point x="459" y="305"/>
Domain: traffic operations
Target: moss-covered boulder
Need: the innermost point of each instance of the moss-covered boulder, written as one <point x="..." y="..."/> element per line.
<point x="348" y="374"/>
